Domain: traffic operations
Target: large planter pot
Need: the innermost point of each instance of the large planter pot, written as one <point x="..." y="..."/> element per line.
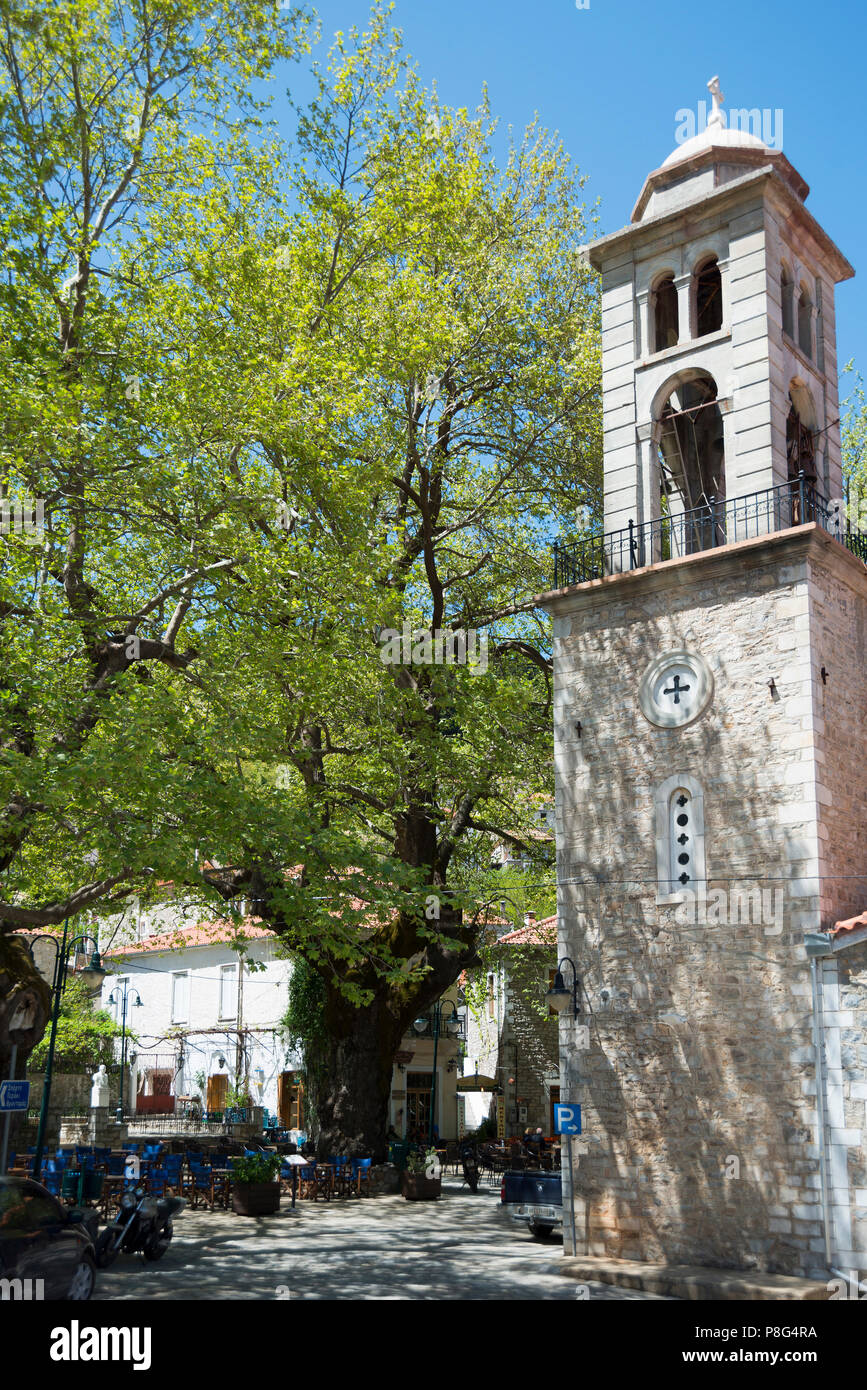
<point x="417" y="1188"/>
<point x="256" y="1198"/>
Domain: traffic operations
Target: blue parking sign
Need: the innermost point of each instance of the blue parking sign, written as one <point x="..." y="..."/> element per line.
<point x="567" y="1119"/>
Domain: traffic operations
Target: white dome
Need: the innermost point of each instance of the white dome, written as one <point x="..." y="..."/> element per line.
<point x="715" y="135"/>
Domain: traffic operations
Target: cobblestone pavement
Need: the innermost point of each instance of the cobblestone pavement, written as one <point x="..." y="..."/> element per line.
<point x="462" y="1247"/>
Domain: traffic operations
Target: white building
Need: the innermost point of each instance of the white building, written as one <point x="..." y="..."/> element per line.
<point x="205" y="1019"/>
<point x="207" y="1023"/>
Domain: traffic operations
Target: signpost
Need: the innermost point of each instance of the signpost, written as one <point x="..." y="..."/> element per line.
<point x="567" y="1120"/>
<point x="14" y="1095"/>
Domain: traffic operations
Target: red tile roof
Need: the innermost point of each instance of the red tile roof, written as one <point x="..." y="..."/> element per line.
<point x="542" y="933"/>
<point x="182" y="938"/>
<point x="850" y="924"/>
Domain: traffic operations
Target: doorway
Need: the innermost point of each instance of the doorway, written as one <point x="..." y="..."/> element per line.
<point x="553" y="1099"/>
<point x="418" y="1089"/>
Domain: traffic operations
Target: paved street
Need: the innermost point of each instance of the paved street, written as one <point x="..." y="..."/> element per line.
<point x="461" y="1247"/>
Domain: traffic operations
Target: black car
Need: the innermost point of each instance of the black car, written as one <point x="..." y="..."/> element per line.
<point x="42" y="1239"/>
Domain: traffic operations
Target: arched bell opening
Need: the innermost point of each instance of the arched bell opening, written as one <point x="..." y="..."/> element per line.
<point x="708" y="297"/>
<point x="691" y="457"/>
<point x="801" y="432"/>
<point x="666" y="326"/>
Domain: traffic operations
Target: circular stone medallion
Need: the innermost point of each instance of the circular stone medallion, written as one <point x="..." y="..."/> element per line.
<point x="675" y="690"/>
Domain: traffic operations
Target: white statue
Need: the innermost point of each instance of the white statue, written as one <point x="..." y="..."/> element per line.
<point x="99" y="1089"/>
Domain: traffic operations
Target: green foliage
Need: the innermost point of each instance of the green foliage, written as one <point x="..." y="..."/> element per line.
<point x="853" y="434"/>
<point x="303" y="1022"/>
<point x="85" y="1036"/>
<point x="276" y="402"/>
<point x="422" y="1163"/>
<point x="254" y="1168"/>
<point x="238" y="1097"/>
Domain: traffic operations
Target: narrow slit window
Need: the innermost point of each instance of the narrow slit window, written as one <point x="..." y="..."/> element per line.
<point x="787" y="296"/>
<point x="682" y="842"/>
<point x="805" y="323"/>
<point x="680" y="839"/>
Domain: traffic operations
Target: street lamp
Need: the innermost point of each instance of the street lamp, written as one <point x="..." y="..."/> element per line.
<point x="559" y="996"/>
<point x="449" y="1024"/>
<point x="116" y="998"/>
<point x="93" y="975"/>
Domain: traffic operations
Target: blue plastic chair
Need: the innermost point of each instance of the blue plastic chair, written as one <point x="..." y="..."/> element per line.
<point x="361" y="1173"/>
<point x="52" y="1181"/>
<point x="158" y="1180"/>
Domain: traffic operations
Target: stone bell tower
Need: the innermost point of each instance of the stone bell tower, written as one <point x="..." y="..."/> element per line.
<point x="710" y="706"/>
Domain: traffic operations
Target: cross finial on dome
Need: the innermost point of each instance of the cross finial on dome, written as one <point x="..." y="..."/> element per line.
<point x="716" y="116"/>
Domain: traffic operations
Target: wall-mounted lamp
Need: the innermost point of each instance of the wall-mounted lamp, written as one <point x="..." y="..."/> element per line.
<point x="578" y="727"/>
<point x="558" y="996"/>
<point x="824" y="674"/>
<point x="772" y="686"/>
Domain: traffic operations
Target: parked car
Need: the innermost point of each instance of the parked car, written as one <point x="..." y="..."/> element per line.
<point x="42" y="1239"/>
<point x="536" y="1198"/>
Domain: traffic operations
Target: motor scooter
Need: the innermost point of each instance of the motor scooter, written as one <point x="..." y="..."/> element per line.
<point x="142" y="1223"/>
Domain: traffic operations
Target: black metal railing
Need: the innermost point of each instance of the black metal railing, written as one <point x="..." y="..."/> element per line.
<point x="714" y="523"/>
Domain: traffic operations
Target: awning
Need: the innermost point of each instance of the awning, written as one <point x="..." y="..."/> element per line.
<point x="476" y="1082"/>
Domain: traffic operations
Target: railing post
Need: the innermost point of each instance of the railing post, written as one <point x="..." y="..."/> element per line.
<point x="556" y="564"/>
<point x="632" y="559"/>
<point x="801" y="490"/>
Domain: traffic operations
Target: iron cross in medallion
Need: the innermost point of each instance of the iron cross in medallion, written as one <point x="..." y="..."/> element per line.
<point x="677" y="690"/>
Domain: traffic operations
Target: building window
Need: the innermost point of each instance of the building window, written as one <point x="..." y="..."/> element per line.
<point x="787" y="300"/>
<point x="290" y="1100"/>
<point x="805" y="323"/>
<point x="680" y="840"/>
<point x="418" y="1092"/>
<point x="665" y="315"/>
<point x="491" y="1001"/>
<point x="708" y="298"/>
<point x="181" y="996"/>
<point x="228" y="991"/>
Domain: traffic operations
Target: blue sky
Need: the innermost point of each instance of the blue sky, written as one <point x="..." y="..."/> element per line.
<point x="610" y="79"/>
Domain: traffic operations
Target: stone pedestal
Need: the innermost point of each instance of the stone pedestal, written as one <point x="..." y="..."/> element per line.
<point x="98" y="1128"/>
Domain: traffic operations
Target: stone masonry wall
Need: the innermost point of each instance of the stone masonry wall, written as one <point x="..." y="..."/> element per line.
<point x="698" y="1084"/>
<point x="533" y="1032"/>
<point x="838" y="637"/>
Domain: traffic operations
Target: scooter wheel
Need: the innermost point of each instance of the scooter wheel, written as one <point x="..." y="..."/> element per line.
<point x="156" y="1245"/>
<point x="106" y="1250"/>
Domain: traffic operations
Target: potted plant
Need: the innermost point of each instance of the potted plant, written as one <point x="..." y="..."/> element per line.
<point x="255" y="1188"/>
<point x="421" y="1180"/>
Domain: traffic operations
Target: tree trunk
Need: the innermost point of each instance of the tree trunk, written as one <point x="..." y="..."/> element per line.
<point x="352" y="1066"/>
<point x="25" y="1007"/>
<point x="352" y="1078"/>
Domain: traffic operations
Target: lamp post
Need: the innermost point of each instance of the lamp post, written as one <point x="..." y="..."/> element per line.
<point x="93" y="975"/>
<point x="116" y="998"/>
<point x="559" y="995"/>
<point x="442" y="1022"/>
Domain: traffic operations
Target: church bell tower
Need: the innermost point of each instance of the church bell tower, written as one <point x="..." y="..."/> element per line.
<point x="710" y="705"/>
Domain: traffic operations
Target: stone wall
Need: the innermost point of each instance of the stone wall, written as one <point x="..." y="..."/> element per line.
<point x="533" y="1032"/>
<point x="698" y="1078"/>
<point x="837" y="587"/>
